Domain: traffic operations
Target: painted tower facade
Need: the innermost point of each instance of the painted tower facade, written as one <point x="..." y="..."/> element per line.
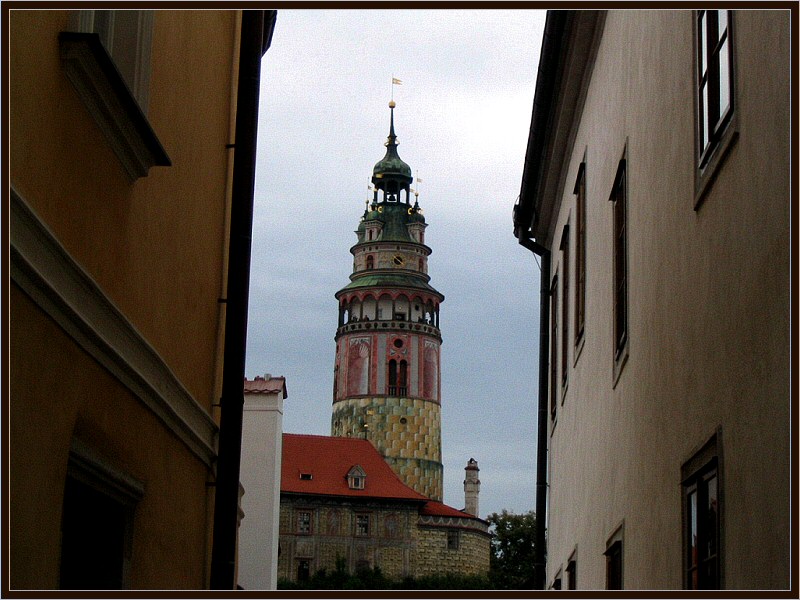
<point x="387" y="376"/>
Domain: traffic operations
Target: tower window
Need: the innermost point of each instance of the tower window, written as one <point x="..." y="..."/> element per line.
<point x="398" y="343"/>
<point x="452" y="539"/>
<point x="398" y="374"/>
<point x="392" y="377"/>
<point x="370" y="260"/>
<point x="401" y="383"/>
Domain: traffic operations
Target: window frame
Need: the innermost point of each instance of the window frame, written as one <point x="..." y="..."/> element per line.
<point x="132" y="59"/>
<point x="564" y="247"/>
<point x="620" y="272"/>
<point x="571" y="571"/>
<point x="710" y="156"/>
<point x="299" y="524"/>
<point x="554" y="380"/>
<point x="453" y="539"/>
<point x="705" y="464"/>
<point x="88" y="468"/>
<point x="116" y="101"/>
<point x="615" y="559"/>
<point x="580" y="259"/>
<point x="361" y="523"/>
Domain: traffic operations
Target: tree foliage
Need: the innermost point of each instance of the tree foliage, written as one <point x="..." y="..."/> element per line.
<point x="513" y="541"/>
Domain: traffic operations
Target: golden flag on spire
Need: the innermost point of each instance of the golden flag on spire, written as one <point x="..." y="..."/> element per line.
<point x="396" y="81"/>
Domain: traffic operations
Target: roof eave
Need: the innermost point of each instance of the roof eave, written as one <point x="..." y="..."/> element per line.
<point x="569" y="46"/>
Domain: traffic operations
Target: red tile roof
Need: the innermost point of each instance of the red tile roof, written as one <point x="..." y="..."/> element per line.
<point x="438" y="509"/>
<point x="265" y="385"/>
<point x="328" y="459"/>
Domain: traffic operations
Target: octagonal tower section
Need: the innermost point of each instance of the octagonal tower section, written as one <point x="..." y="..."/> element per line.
<point x="387" y="384"/>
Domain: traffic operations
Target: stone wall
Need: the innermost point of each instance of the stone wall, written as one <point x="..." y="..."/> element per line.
<point x="459" y="550"/>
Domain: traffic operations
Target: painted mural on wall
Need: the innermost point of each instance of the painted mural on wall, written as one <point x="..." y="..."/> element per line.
<point x="431" y="371"/>
<point x="358" y="366"/>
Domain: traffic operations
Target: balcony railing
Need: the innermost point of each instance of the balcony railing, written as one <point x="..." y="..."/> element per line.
<point x="421" y="327"/>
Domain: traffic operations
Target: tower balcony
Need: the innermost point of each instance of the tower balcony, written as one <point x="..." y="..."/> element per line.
<point x="366" y="325"/>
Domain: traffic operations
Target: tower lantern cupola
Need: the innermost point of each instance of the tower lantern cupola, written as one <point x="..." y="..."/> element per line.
<point x="391" y="175"/>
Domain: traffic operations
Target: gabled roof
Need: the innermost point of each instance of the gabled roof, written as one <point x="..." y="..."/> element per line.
<point x="327" y="460"/>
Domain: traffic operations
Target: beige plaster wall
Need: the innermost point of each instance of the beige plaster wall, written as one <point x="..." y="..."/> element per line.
<point x="708" y="312"/>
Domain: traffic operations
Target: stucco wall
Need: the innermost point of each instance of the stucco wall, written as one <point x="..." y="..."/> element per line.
<point x="708" y="312"/>
<point x="154" y="248"/>
<point x="58" y="392"/>
<point x="262" y="437"/>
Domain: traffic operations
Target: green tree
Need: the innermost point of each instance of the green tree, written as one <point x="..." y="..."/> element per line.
<point x="513" y="540"/>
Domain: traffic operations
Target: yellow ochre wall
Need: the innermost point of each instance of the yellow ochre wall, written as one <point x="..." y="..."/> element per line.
<point x="155" y="247"/>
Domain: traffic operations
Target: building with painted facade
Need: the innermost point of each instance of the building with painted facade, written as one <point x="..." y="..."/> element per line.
<point x="656" y="191"/>
<point x="341" y="501"/>
<point x="123" y="179"/>
<point x="386" y="418"/>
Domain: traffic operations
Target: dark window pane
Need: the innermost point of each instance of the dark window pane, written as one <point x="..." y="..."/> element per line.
<point x="711" y="518"/>
<point x="93" y="539"/>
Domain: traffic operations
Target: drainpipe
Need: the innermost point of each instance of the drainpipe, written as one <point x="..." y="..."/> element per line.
<point x="257" y="27"/>
<point x="539" y="549"/>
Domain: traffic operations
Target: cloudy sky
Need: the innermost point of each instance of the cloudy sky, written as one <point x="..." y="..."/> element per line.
<point x="462" y="119"/>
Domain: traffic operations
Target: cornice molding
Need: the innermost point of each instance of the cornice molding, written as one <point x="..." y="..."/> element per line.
<point x="46" y="272"/>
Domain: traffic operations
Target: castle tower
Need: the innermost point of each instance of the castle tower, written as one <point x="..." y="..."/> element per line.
<point x="386" y="378"/>
<point x="472" y="487"/>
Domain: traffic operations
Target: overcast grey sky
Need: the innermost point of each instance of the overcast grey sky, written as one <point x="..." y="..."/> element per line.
<point x="462" y="119"/>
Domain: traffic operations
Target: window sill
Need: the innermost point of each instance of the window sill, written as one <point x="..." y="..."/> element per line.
<point x="705" y="177"/>
<point x="100" y="86"/>
<point x="619" y="364"/>
<point x="579" y="344"/>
